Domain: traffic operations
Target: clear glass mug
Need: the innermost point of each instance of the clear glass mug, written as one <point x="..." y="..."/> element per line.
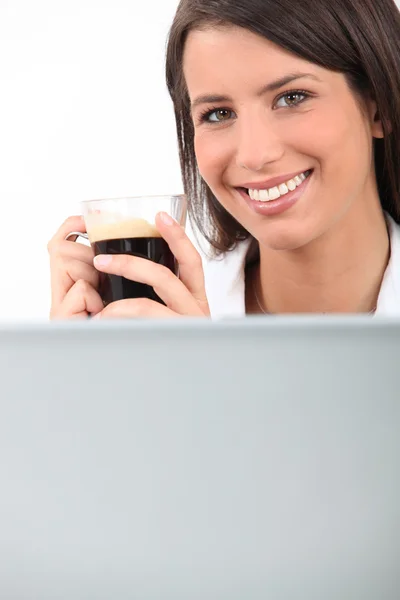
<point x="127" y="226"/>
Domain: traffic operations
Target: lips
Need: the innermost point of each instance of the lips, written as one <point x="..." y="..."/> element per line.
<point x="279" y="205"/>
<point x="272" y="182"/>
<point x="278" y="191"/>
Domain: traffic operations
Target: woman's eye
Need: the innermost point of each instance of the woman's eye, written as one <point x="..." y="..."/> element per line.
<point x="291" y="99"/>
<point x="218" y="116"/>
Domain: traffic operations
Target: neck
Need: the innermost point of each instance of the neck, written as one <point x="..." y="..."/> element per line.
<point x="340" y="272"/>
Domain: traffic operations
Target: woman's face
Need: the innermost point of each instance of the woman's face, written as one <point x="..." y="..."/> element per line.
<point x="254" y="134"/>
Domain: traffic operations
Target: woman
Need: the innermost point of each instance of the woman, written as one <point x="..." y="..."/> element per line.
<point x="288" y="120"/>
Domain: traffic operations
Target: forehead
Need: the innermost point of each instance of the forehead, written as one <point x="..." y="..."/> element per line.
<point x="233" y="56"/>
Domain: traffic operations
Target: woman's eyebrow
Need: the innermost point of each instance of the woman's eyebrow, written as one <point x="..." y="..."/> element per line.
<point x="270" y="87"/>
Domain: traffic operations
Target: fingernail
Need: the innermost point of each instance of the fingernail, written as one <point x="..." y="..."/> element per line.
<point x="103" y="260"/>
<point x="166" y="219"/>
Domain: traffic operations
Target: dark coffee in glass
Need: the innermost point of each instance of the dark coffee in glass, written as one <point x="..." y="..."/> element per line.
<point x="137" y="238"/>
<point x="127" y="226"/>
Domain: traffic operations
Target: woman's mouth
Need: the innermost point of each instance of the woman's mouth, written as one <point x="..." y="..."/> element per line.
<point x="277" y="199"/>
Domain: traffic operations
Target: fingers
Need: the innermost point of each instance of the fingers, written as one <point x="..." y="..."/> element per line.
<point x="69" y="262"/>
<point x="80" y="301"/>
<point x="65" y="273"/>
<point x="166" y="285"/>
<point x="136" y="308"/>
<point x="69" y="249"/>
<point x="189" y="260"/>
<point x="75" y="223"/>
<point x="76" y="270"/>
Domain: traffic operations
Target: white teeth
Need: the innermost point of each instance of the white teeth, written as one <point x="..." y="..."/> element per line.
<point x="283" y="189"/>
<point x="278" y="191"/>
<point x="274" y="193"/>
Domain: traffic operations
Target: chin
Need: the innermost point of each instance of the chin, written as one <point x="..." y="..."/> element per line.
<point x="285" y="238"/>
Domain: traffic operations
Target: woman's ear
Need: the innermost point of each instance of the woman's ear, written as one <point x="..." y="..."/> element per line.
<point x="376" y="122"/>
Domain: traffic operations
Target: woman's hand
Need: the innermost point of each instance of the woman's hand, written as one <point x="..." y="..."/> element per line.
<point x="74" y="279"/>
<point x="183" y="296"/>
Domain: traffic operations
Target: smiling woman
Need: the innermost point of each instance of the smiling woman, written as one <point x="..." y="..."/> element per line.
<point x="288" y="122"/>
<point x="289" y="135"/>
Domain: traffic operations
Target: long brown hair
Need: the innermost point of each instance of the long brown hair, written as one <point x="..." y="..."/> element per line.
<point x="359" y="38"/>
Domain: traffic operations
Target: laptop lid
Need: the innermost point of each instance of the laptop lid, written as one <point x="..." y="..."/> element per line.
<point x="252" y="459"/>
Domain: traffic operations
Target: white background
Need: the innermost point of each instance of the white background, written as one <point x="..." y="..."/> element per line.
<point x="84" y="113"/>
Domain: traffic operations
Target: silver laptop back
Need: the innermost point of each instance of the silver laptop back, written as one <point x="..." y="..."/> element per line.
<point x="247" y="460"/>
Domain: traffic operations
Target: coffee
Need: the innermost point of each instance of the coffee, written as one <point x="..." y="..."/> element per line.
<point x="135" y="237"/>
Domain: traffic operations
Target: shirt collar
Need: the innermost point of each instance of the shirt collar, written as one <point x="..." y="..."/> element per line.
<point x="389" y="295"/>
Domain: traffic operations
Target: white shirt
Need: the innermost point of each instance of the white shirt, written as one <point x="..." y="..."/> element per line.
<point x="225" y="280"/>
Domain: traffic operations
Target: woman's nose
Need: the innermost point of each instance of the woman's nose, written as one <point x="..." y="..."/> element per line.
<point x="257" y="145"/>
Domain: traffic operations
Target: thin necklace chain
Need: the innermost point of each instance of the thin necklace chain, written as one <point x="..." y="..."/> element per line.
<point x="260" y="306"/>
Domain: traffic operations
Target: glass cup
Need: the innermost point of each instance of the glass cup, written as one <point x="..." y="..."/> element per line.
<point x="127" y="226"/>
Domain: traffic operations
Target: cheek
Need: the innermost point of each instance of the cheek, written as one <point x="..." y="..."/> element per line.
<point x="212" y="157"/>
<point x="339" y="140"/>
<point x="319" y="135"/>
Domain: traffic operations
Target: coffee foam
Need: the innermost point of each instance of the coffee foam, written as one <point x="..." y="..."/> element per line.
<point x="132" y="228"/>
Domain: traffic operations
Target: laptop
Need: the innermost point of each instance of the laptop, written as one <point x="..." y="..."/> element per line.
<point x="250" y="459"/>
